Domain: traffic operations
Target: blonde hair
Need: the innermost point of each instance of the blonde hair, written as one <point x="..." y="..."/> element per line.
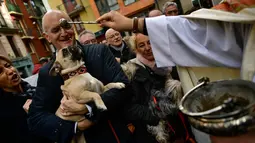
<point x="130" y="41"/>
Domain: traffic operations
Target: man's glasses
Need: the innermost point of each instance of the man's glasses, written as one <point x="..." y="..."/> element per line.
<point x="173" y="12"/>
<point x="92" y="41"/>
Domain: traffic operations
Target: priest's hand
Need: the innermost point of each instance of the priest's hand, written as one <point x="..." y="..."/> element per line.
<point x="116" y="21"/>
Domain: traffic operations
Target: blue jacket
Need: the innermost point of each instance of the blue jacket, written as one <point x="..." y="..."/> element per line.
<point x="102" y="65"/>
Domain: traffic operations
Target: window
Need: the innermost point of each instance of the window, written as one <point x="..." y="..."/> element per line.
<point x="79" y="27"/>
<point x="13" y="46"/>
<point x="102" y="6"/>
<point x="38" y="7"/>
<point x="113" y="4"/>
<point x="2" y="21"/>
<point x="11" y="2"/>
<point x="127" y="2"/>
<point x="29" y="9"/>
<point x="69" y="5"/>
<point x="20" y="26"/>
<point x="29" y="46"/>
<point x="105" y="6"/>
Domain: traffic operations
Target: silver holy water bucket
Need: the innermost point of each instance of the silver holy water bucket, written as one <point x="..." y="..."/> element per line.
<point x="221" y="108"/>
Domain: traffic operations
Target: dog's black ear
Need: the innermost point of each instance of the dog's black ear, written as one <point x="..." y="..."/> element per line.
<point x="55" y="69"/>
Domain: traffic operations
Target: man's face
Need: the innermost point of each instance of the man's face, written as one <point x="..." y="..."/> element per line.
<point x="171" y="11"/>
<point x="9" y="76"/>
<point x="143" y="47"/>
<point x="155" y="13"/>
<point x="88" y="39"/>
<point x="114" y="38"/>
<point x="58" y="36"/>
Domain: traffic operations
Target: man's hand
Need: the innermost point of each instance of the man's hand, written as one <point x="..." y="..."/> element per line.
<point x="118" y="60"/>
<point x="27" y="104"/>
<point x="84" y="124"/>
<point x="70" y="107"/>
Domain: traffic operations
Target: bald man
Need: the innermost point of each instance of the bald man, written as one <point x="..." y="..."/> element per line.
<point x="155" y="13"/>
<point x="118" y="47"/>
<point x="97" y="126"/>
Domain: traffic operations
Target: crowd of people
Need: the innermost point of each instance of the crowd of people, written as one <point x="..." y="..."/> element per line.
<point x="145" y="62"/>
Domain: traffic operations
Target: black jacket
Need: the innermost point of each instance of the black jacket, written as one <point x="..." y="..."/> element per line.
<point x="101" y="64"/>
<point x="125" y="55"/>
<point x="13" y="118"/>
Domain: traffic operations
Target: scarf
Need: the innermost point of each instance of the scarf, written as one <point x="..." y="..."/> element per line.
<point x="119" y="48"/>
<point x="152" y="65"/>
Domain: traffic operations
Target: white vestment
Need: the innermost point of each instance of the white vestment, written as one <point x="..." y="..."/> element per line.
<point x="200" y="41"/>
<point x="205" y="38"/>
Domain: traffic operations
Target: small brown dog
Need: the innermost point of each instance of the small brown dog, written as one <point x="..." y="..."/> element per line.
<point x="70" y="65"/>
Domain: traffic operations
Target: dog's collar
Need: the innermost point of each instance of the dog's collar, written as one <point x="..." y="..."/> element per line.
<point x="80" y="70"/>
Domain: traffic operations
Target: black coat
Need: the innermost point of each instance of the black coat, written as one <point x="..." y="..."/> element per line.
<point x="13" y="118"/>
<point x="101" y="64"/>
<point x="138" y="111"/>
<point x="125" y="55"/>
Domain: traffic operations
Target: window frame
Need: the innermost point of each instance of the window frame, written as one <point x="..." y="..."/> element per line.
<point x="103" y="6"/>
<point x="80" y="26"/>
<point x="129" y="3"/>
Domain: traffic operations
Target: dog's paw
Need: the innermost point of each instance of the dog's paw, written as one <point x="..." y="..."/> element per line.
<point x="119" y="85"/>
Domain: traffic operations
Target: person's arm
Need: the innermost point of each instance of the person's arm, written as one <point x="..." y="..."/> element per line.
<point x="198" y="42"/>
<point x="42" y="119"/>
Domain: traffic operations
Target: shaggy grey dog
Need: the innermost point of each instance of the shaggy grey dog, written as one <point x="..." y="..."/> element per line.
<point x="167" y="103"/>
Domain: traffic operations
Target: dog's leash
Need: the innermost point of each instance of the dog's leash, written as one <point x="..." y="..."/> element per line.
<point x="157" y="107"/>
<point x="188" y="138"/>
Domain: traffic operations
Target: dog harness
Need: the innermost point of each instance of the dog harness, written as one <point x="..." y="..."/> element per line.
<point x="80" y="70"/>
<point x="188" y="139"/>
